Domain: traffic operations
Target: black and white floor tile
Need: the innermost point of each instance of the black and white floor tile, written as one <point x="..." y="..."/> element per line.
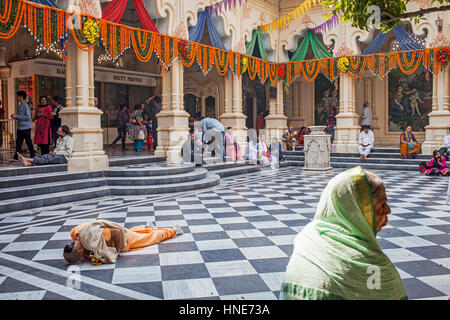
<point x="236" y="244"/>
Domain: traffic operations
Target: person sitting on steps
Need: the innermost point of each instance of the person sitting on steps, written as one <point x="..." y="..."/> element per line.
<point x="60" y="155"/>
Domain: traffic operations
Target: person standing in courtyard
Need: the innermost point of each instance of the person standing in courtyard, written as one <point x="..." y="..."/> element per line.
<point x="233" y="150"/>
<point x="122" y="122"/>
<point x="409" y="146"/>
<point x="366" y="141"/>
<point x="155" y="109"/>
<point x="24" y="126"/>
<point x="213" y="127"/>
<point x="43" y="134"/>
<point x="101" y="241"/>
<point x="61" y="154"/>
<point x="366" y="117"/>
<point x="136" y="129"/>
<point x="336" y="255"/>
<point x="192" y="148"/>
<point x="56" y="121"/>
<point x="260" y="122"/>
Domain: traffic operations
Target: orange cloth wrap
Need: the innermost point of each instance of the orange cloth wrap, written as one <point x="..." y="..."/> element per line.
<point x="137" y="237"/>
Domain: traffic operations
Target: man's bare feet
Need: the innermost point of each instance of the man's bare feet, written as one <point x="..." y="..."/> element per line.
<point x="25" y="163"/>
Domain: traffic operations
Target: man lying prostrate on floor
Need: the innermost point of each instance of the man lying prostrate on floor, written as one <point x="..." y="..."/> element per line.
<point x="100" y="241"/>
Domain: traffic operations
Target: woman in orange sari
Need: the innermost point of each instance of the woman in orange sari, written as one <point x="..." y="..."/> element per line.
<point x="409" y="146"/>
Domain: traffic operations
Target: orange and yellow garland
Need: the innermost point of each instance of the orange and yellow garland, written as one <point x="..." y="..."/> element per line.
<point x="117" y="38"/>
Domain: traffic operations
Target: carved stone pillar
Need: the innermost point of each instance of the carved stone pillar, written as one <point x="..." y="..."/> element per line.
<point x="233" y="116"/>
<point x="347" y="127"/>
<point x="298" y="118"/>
<point x="276" y="121"/>
<point x="81" y="115"/>
<point x="173" y="128"/>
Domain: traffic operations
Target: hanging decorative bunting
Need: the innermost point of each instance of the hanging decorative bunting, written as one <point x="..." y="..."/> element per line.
<point x="226" y="4"/>
<point x="327" y="25"/>
<point x="48" y="26"/>
<point x="301" y="10"/>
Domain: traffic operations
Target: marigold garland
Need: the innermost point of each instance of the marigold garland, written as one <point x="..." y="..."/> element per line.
<point x="281" y="71"/>
<point x="443" y="56"/>
<point x="48" y="25"/>
<point x="244" y="64"/>
<point x="342" y="64"/>
<point x="91" y="31"/>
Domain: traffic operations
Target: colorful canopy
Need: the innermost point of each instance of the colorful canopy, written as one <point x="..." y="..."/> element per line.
<point x="114" y="11"/>
<point x="404" y="38"/>
<point x="196" y="32"/>
<point x="250" y="47"/>
<point x="319" y="49"/>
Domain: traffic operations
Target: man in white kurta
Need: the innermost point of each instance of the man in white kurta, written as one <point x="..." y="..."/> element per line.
<point x="366" y="140"/>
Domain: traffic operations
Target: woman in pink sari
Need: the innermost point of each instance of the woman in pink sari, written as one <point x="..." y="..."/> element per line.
<point x="437" y="165"/>
<point x="232" y="150"/>
<point x="42" y="116"/>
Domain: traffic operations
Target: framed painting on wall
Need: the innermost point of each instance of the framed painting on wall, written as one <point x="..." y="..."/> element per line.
<point x="326" y="100"/>
<point x="410" y="100"/>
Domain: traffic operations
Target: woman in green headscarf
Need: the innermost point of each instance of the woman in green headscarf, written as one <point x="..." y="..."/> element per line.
<point x="336" y="256"/>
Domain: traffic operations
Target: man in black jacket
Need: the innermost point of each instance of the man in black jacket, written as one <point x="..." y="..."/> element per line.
<point x="122" y="120"/>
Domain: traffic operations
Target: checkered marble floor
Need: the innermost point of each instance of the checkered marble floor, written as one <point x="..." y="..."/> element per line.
<point x="236" y="244"/>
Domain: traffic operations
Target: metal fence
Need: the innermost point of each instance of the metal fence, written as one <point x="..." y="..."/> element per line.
<point x="7" y="135"/>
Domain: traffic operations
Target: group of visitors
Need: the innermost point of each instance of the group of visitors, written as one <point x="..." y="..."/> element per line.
<point x="259" y="153"/>
<point x="293" y="139"/>
<point x="409" y="148"/>
<point x="215" y="141"/>
<point x="138" y="125"/>
<point x="48" y="131"/>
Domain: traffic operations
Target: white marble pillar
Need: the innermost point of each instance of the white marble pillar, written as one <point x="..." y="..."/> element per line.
<point x="298" y="118"/>
<point x="439" y="118"/>
<point x="347" y="125"/>
<point x="80" y="114"/>
<point x="203" y="106"/>
<point x="233" y="116"/>
<point x="173" y="126"/>
<point x="276" y="121"/>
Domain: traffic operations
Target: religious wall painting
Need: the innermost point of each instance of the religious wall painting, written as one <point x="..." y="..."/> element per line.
<point x="410" y="100"/>
<point x="326" y="99"/>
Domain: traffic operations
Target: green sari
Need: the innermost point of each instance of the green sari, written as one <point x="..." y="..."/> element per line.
<point x="336" y="256"/>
